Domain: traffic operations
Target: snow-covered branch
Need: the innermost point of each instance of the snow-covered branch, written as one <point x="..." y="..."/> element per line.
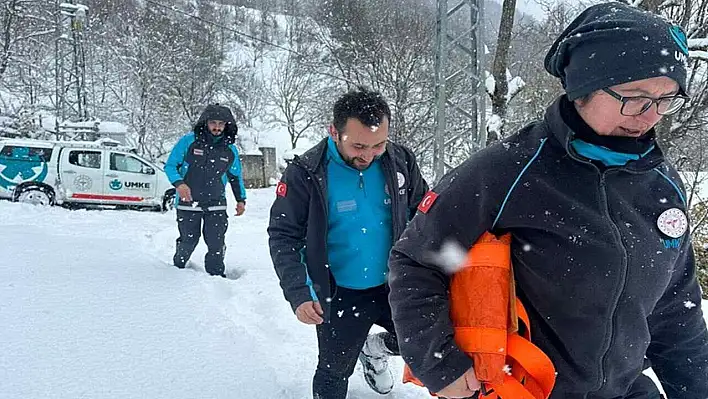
<point x="699" y="55"/>
<point x="489" y="83"/>
<point x="670" y="3"/>
<point x="698" y="44"/>
<point x="32" y="35"/>
<point x="515" y="86"/>
<point x="698" y="49"/>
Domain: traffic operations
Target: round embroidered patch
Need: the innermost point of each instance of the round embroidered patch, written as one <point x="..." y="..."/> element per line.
<point x="401" y="179"/>
<point x="673" y="223"/>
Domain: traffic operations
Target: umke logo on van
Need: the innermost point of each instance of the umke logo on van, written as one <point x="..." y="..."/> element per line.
<point x="132" y="185"/>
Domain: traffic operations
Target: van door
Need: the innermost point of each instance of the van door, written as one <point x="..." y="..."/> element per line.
<point x="22" y="163"/>
<point x="81" y="173"/>
<point x="131" y="180"/>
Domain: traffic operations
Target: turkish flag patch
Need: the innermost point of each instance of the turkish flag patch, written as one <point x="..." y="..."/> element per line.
<point x="427" y="201"/>
<point x="281" y="189"/>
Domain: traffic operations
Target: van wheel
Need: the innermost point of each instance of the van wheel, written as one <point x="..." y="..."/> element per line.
<point x="36" y="196"/>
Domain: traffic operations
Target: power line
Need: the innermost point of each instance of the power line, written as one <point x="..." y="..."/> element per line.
<point x="222" y="27"/>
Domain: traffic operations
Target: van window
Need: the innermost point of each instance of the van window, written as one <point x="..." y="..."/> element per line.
<point x="126" y="163"/>
<point x="86" y="159"/>
<point x="26" y="153"/>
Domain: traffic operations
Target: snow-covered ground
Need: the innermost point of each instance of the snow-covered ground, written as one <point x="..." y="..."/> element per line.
<point x="90" y="308"/>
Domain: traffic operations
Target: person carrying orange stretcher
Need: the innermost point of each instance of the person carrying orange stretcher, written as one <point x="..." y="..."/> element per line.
<point x="485" y="315"/>
<point x="599" y="235"/>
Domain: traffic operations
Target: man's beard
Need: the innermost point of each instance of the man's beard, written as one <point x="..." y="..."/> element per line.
<point x="351" y="161"/>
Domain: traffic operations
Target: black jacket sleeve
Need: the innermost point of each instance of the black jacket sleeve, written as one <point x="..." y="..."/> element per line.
<point x="287" y="231"/>
<point x="237" y="187"/>
<point x="679" y="340"/>
<point x="419" y="300"/>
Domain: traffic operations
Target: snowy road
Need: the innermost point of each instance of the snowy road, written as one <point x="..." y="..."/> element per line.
<point x="89" y="308"/>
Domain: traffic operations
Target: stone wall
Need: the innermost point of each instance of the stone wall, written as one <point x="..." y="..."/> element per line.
<point x="259" y="170"/>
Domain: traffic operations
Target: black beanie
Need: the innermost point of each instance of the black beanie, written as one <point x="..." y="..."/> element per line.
<point x="614" y="43"/>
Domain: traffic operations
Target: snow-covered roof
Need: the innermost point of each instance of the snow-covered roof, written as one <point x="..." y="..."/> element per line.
<point x="253" y="151"/>
<point x="27" y="142"/>
<point x="100" y="143"/>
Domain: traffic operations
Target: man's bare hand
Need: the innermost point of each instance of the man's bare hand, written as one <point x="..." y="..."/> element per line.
<point x="184" y="193"/>
<point x="310" y="313"/>
<point x="463" y="387"/>
<point x="240" y="208"/>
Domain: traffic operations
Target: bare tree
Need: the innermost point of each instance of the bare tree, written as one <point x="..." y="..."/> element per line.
<point x="244" y="89"/>
<point x="21" y="21"/>
<point x="196" y="57"/>
<point x="393" y="55"/>
<point x="500" y="92"/>
<point x="294" y="94"/>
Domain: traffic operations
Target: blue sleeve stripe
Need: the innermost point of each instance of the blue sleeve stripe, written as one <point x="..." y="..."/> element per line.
<point x="308" y="281"/>
<point x="236" y="170"/>
<point x="518" y="178"/>
<point x="676" y="187"/>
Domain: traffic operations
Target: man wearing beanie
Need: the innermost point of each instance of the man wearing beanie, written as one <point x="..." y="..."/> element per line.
<point x="199" y="166"/>
<point x="601" y="244"/>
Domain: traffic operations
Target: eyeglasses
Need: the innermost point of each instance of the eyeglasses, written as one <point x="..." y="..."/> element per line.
<point x="637" y="105"/>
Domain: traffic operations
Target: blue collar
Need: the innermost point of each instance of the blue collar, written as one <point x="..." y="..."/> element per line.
<point x="333" y="154"/>
<point x="604" y="154"/>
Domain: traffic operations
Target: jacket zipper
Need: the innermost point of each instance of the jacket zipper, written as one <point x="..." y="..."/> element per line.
<point x="625" y="261"/>
<point x="361" y="182"/>
<point x="623" y="282"/>
<point x="393" y="192"/>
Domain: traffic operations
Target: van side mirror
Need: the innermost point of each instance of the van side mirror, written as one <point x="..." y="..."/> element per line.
<point x="148" y="170"/>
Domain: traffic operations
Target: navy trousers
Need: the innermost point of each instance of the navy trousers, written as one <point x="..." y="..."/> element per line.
<point x="353" y="313"/>
<point x="191" y="225"/>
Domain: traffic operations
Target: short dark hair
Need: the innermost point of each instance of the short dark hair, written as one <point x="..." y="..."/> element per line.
<point x="586" y="98"/>
<point x="368" y="107"/>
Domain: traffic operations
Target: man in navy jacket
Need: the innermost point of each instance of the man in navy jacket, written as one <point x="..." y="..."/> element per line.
<point x="338" y="210"/>
<point x="199" y="166"/>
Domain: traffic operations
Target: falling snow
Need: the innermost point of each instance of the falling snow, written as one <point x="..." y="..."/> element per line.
<point x="451" y="256"/>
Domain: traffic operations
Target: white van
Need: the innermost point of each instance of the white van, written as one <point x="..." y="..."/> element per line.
<point x="90" y="173"/>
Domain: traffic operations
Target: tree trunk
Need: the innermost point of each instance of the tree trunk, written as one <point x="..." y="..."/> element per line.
<point x="501" y="62"/>
<point x="8" y="23"/>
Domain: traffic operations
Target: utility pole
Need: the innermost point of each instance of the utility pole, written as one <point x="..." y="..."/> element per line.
<point x="70" y="68"/>
<point x="458" y="58"/>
